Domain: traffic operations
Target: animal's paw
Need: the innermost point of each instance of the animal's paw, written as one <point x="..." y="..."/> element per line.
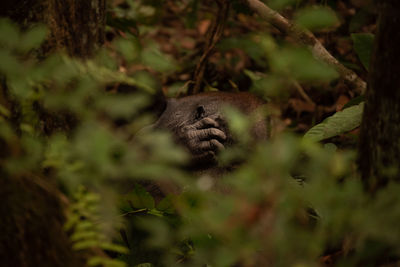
<point x="204" y="138"/>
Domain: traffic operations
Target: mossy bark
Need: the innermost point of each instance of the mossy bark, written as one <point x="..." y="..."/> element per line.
<point x="379" y="148"/>
<point x="32" y="209"/>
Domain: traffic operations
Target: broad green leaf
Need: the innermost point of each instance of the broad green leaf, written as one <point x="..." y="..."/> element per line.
<point x="316" y="18"/>
<point x="363" y="43"/>
<point x="340" y="122"/>
<point x="355" y="101"/>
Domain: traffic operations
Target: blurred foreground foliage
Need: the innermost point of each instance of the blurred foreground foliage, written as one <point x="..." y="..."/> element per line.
<point x="290" y="203"/>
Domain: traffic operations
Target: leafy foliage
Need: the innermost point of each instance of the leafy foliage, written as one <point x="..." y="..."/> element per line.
<point x="84" y="222"/>
<point x="256" y="214"/>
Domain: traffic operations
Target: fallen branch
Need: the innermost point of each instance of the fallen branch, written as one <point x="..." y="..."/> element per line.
<point x="305" y="37"/>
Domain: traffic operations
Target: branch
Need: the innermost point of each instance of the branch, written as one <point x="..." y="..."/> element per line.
<point x="305" y="37"/>
<point x="214" y="35"/>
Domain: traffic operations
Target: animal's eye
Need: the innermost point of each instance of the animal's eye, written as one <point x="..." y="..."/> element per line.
<point x="200" y="112"/>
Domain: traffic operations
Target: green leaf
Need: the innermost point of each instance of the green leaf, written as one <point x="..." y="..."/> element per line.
<point x="144" y="265"/>
<point x="355" y="101"/>
<point x="85" y="235"/>
<point x="114" y="248"/>
<point x="122" y="105"/>
<point x="33" y="38"/>
<point x="105" y="262"/>
<point x="157" y="60"/>
<point x="166" y="205"/>
<point x="363" y="44"/>
<point x="247" y="44"/>
<point x="130" y="48"/>
<point x="9" y="33"/>
<point x="140" y="198"/>
<point x="86" y="244"/>
<point x="316" y="18"/>
<point x="301" y="64"/>
<point x="4" y="111"/>
<point x="340" y="122"/>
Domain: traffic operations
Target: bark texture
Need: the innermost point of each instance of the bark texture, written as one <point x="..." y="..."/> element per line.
<point x="379" y="148"/>
<point x="31" y="228"/>
<point x="32" y="209"/>
<point x="75" y="26"/>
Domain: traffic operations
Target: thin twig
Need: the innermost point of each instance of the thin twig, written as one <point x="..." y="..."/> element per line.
<point x="214" y="35"/>
<point x="302" y="93"/>
<point x="305" y="37"/>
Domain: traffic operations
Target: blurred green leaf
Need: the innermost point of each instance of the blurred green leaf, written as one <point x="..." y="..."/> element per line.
<point x="122" y="106"/>
<point x="139" y="198"/>
<point x="154" y="58"/>
<point x="105" y="262"/>
<point x="363" y="44"/>
<point x="9" y="65"/>
<point x="144" y="265"/>
<point x="33" y="38"/>
<point x="9" y="33"/>
<point x="166" y="205"/>
<point x="6" y="131"/>
<point x="114" y="247"/>
<point x="4" y="111"/>
<point x="340" y="122"/>
<point x="300" y="64"/>
<point x="129" y="48"/>
<point x="247" y="44"/>
<point x="316" y="18"/>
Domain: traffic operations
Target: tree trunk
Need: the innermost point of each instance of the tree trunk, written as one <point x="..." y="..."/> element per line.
<point x="32" y="209"/>
<point x="379" y="149"/>
<point x="75" y="25"/>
